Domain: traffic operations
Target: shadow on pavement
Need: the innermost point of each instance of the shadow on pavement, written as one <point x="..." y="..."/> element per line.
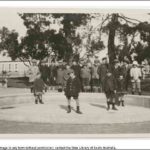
<point x="8" y="107"/>
<point x="98" y="105"/>
<point x="64" y="107"/>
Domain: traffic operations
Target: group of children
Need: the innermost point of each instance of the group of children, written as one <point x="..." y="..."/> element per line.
<point x="113" y="90"/>
<point x="113" y="82"/>
<point x="72" y="89"/>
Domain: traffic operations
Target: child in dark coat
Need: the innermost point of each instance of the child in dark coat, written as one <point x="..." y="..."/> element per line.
<point x="38" y="86"/>
<point x="121" y="90"/>
<point x="120" y="75"/>
<point x="110" y="90"/>
<point x="72" y="89"/>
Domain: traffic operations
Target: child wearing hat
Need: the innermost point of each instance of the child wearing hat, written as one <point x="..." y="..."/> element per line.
<point x="121" y="90"/>
<point x="136" y="76"/>
<point x="72" y="89"/>
<point x="110" y="89"/>
<point x="39" y="87"/>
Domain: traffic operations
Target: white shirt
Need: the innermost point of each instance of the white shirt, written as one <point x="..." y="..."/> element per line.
<point x="135" y="73"/>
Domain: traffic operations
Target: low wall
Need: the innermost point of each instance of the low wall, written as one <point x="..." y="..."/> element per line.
<point x="136" y="100"/>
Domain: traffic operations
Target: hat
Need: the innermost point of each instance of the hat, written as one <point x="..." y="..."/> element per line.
<point x="135" y="63"/>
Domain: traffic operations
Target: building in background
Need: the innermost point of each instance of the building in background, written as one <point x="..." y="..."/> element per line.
<point x="13" y="68"/>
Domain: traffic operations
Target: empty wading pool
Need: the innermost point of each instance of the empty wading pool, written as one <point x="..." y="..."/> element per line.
<point x="21" y="108"/>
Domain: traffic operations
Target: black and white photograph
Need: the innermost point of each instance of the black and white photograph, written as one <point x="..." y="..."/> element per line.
<point x="74" y="72"/>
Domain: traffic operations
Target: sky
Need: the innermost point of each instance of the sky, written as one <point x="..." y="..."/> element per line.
<point x="9" y="17"/>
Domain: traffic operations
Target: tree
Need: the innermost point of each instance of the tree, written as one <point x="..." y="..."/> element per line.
<point x="70" y="24"/>
<point x="58" y="34"/>
<point x="9" y="42"/>
<point x="42" y="39"/>
<point x="90" y="35"/>
<point x="119" y="26"/>
<point x="111" y="38"/>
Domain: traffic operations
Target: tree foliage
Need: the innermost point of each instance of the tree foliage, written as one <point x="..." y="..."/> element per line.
<point x="9" y="42"/>
<point x="41" y="39"/>
<point x="57" y="33"/>
<point x="123" y="27"/>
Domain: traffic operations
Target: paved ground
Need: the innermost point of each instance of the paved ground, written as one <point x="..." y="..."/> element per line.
<point x="54" y="112"/>
<point x="13" y="91"/>
<point x="52" y="118"/>
<point x="10" y="127"/>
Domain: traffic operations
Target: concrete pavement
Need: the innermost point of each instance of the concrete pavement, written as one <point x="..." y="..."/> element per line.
<point x="54" y="110"/>
<point x="19" y="114"/>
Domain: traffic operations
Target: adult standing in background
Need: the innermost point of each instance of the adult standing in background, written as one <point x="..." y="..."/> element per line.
<point x="86" y="77"/>
<point x="52" y="75"/>
<point x="95" y="77"/>
<point x="44" y="72"/>
<point x="126" y="73"/>
<point x="102" y="71"/>
<point x="145" y="69"/>
<point x="60" y="78"/>
<point x="96" y="60"/>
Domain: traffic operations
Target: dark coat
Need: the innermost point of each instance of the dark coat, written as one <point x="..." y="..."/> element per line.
<point x="124" y="71"/>
<point x="77" y="70"/>
<point x="121" y="85"/>
<point x="66" y="74"/>
<point x="117" y="72"/>
<point x="38" y="85"/>
<point x="95" y="74"/>
<point x="85" y="73"/>
<point x="73" y="87"/>
<point x="52" y="75"/>
<point x="60" y="76"/>
<point x="110" y="83"/>
<point x="120" y="71"/>
<point x="102" y="70"/>
<point x="52" y="71"/>
<point x="44" y="73"/>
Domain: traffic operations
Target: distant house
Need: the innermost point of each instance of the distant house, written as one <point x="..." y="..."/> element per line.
<point x="13" y="68"/>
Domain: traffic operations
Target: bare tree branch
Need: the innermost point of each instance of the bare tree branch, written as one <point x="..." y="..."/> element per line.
<point x="101" y="27"/>
<point x="128" y="19"/>
<point x="132" y="19"/>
